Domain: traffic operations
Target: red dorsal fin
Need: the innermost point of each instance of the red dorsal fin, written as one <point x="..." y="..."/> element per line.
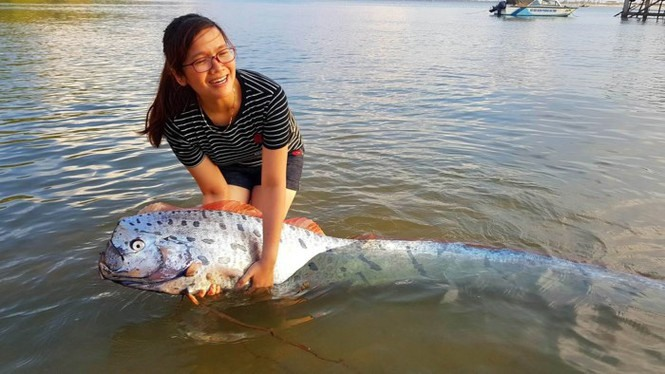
<point x="234" y="207"/>
<point x="250" y="210"/>
<point x="366" y="236"/>
<point x="305" y="223"/>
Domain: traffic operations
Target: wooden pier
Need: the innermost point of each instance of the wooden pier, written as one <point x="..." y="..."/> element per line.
<point x="643" y="8"/>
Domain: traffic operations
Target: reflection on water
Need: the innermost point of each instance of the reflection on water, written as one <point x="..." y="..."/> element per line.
<point x="397" y="328"/>
<point x="423" y="120"/>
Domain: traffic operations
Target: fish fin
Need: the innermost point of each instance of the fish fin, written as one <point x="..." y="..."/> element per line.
<point x="164" y="274"/>
<point x="249" y="210"/>
<point x="193" y="299"/>
<point x="157" y="207"/>
<point x="234" y="207"/>
<point x="193" y="269"/>
<point x="296" y="322"/>
<point x="366" y="236"/>
<point x="305" y="223"/>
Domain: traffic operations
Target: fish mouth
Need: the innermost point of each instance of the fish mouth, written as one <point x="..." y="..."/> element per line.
<point x="106" y="273"/>
<point x="126" y="279"/>
<point x="104" y="270"/>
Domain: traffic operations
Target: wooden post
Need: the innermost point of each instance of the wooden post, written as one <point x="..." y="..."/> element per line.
<point x="626" y="8"/>
<point x="647" y="4"/>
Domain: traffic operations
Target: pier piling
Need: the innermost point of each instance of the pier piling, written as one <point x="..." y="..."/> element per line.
<point x="643" y="8"/>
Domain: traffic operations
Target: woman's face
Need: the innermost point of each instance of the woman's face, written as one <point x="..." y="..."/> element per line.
<point x="217" y="82"/>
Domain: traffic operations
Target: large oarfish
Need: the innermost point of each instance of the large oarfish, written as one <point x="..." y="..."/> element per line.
<point x="186" y="251"/>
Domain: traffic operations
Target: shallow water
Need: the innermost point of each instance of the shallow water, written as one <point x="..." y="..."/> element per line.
<point x="422" y="120"/>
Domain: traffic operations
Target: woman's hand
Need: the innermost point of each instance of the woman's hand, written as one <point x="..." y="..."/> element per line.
<point x="214" y="289"/>
<point x="261" y="275"/>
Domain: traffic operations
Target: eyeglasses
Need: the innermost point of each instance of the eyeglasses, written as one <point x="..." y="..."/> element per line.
<point x="205" y="63"/>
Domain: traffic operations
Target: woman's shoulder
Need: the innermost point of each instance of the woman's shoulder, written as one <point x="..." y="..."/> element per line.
<point x="256" y="79"/>
<point x="189" y="113"/>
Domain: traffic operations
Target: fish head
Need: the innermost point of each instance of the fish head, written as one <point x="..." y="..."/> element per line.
<point x="141" y="257"/>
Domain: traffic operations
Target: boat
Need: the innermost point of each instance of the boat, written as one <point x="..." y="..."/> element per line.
<point x="536" y="8"/>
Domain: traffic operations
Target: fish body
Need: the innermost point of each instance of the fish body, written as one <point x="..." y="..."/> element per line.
<point x="460" y="268"/>
<point x="186" y="251"/>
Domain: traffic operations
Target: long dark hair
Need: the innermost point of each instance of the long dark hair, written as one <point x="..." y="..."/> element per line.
<point x="172" y="98"/>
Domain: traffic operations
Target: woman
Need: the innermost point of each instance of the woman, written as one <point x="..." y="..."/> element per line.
<point x="231" y="128"/>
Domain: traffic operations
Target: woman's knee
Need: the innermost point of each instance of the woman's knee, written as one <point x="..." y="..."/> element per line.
<point x="238" y="193"/>
<point x="259" y="200"/>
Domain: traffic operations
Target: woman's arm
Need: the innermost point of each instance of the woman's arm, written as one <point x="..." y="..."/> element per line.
<point x="271" y="201"/>
<point x="210" y="180"/>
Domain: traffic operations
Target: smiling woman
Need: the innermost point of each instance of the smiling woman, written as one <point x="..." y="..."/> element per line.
<point x="232" y="129"/>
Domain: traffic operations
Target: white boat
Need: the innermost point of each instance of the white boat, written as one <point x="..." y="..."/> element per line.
<point x="536" y="8"/>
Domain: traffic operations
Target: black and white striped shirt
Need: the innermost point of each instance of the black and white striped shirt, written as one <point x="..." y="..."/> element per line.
<point x="264" y="120"/>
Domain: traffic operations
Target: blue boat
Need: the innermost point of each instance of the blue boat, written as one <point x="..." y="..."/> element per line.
<point x="536" y="8"/>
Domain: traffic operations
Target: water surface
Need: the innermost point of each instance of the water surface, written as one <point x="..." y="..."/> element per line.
<point x="422" y="120"/>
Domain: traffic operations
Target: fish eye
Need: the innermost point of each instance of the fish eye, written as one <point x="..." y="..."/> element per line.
<point x="137" y="244"/>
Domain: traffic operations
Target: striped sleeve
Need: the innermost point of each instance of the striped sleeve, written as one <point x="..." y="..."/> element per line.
<point x="187" y="153"/>
<point x="277" y="129"/>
